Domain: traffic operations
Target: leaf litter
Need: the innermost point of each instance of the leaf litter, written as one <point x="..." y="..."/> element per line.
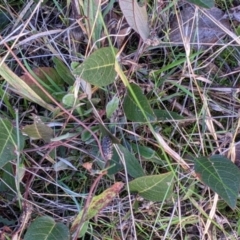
<point x="197" y="27"/>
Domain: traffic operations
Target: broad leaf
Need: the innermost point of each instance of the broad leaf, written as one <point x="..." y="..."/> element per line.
<point x="38" y="130"/>
<point x="63" y="71"/>
<point x="203" y="3"/>
<point x="69" y="100"/>
<point x="45" y="228"/>
<point x="112" y="106"/>
<point x="132" y="109"/>
<point x="98" y="68"/>
<point x="153" y="188"/>
<point x="8" y="142"/>
<point x="133" y="166"/>
<point x="144" y="151"/>
<point x="7" y="182"/>
<point x="221" y="175"/>
<point x="136" y="17"/>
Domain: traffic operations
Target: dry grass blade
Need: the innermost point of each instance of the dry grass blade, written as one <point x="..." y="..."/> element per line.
<point x="21" y="87"/>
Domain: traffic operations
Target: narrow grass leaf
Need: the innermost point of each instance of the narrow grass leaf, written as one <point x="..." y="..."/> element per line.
<point x="92" y="10"/>
<point x="167" y="115"/>
<point x="131" y="108"/>
<point x="8" y="142"/>
<point x="99" y="68"/>
<point x="154" y="187"/>
<point x="136" y="17"/>
<point x="203" y="3"/>
<point x="48" y="78"/>
<point x="46" y="228"/>
<point x="184" y="89"/>
<point x="178" y="61"/>
<point x="221" y="175"/>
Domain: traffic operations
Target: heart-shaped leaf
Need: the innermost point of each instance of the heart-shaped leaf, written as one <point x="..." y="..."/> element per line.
<point x="46" y="228"/>
<point x="136" y="17"/>
<point x="99" y="68"/>
<point x="221" y="175"/>
<point x="153" y="188"/>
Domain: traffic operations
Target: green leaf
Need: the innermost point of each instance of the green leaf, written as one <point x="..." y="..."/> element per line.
<point x="112" y="106"/>
<point x="153" y="188"/>
<point x="63" y="71"/>
<point x="8" y="142"/>
<point x="83" y="230"/>
<point x="99" y="68"/>
<point x="203" y="3"/>
<point x="92" y="10"/>
<point x="167" y="115"/>
<point x="69" y="100"/>
<point x="144" y="151"/>
<point x="7" y="183"/>
<point x="132" y="109"/>
<point x="115" y="163"/>
<point x="133" y="166"/>
<point x="45" y="228"/>
<point x="86" y="135"/>
<point x="4" y="19"/>
<point x="221" y="175"/>
<point x="38" y="130"/>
